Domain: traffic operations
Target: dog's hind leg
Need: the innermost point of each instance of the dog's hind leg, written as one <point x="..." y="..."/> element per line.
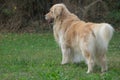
<point x="102" y="60"/>
<point x="103" y="63"/>
<point x="88" y="51"/>
<point x="89" y="60"/>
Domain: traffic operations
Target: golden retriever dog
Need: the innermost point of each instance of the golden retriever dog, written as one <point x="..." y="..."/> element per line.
<point x="80" y="40"/>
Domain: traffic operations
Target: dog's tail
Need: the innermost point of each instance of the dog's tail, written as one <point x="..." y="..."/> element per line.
<point x="106" y="32"/>
<point x="104" y="35"/>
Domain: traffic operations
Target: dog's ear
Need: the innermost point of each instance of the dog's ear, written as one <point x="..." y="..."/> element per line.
<point x="58" y="11"/>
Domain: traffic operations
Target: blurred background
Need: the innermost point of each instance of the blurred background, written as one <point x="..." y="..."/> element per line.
<point x="27" y="46"/>
<point x="28" y="15"/>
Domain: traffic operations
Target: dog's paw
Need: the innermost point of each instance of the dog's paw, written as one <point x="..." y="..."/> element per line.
<point x="88" y="72"/>
<point x="63" y="63"/>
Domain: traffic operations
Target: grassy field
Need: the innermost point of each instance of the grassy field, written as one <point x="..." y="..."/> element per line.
<point x="38" y="57"/>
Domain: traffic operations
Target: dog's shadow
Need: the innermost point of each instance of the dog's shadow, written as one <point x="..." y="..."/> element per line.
<point x="83" y="65"/>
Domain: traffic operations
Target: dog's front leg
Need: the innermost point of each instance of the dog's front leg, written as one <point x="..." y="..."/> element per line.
<point x="65" y="55"/>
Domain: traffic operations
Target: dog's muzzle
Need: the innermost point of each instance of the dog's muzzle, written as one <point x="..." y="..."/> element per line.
<point x="49" y="20"/>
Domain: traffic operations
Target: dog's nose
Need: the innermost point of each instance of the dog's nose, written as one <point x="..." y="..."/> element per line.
<point x="46" y="17"/>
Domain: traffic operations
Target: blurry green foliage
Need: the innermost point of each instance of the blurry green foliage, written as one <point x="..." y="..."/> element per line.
<point x="16" y="15"/>
<point x="7" y="12"/>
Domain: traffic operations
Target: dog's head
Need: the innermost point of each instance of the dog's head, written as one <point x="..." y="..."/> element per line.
<point x="56" y="11"/>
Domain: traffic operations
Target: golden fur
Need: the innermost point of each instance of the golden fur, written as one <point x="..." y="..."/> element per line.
<point x="80" y="40"/>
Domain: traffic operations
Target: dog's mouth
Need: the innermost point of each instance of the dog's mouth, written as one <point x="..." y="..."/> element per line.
<point x="50" y="20"/>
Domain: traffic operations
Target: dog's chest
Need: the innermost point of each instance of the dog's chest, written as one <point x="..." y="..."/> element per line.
<point x="58" y="34"/>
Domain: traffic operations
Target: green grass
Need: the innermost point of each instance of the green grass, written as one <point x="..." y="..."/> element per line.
<point x="38" y="57"/>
